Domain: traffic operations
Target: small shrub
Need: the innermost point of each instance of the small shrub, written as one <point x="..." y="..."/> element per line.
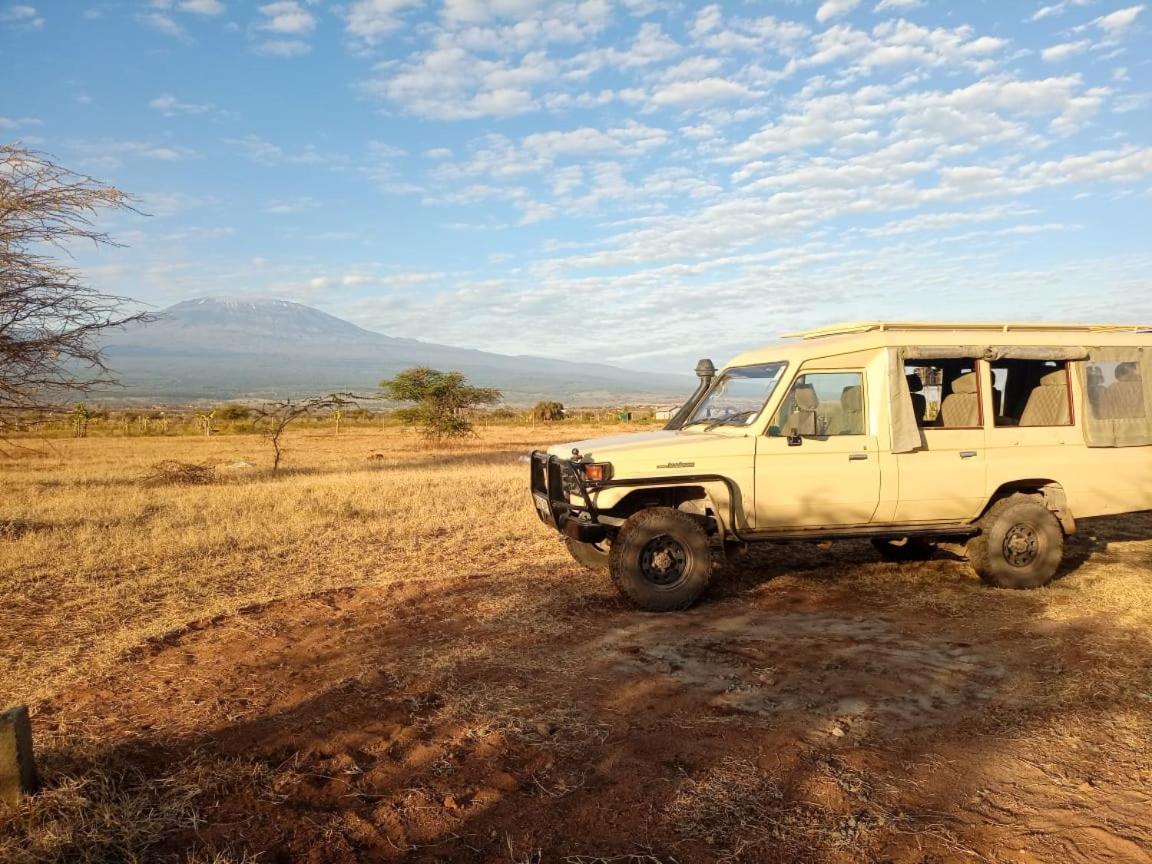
<point x="170" y="472"/>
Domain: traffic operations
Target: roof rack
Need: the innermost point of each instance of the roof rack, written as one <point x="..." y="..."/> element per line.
<point x="940" y="326"/>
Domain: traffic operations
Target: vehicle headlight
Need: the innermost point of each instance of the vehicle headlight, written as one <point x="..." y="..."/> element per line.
<point x="597" y="472"/>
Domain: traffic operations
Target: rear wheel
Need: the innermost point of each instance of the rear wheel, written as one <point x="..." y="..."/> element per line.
<point x="906" y="549"/>
<point x="1020" y="544"/>
<point x="661" y="559"/>
<point x="594" y="556"/>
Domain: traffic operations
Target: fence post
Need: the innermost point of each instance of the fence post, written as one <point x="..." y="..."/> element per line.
<point x="17" y="769"/>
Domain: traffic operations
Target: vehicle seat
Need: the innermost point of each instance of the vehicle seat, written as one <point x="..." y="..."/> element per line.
<point x="803" y="416"/>
<point x="1048" y="402"/>
<point x="852" y="410"/>
<point x="919" y="400"/>
<point x="1123" y="399"/>
<point x="961" y="407"/>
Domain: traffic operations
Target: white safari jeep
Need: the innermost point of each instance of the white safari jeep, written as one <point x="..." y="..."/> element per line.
<point x="998" y="435"/>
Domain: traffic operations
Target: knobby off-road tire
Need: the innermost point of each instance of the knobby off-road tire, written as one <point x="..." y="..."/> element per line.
<point x="908" y="549"/>
<point x="594" y="556"/>
<point x="1020" y="544"/>
<point x="661" y="559"/>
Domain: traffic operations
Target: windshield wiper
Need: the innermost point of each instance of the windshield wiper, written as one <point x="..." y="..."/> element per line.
<point x="740" y="415"/>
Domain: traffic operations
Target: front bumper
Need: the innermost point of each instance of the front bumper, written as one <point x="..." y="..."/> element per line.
<point x="555" y="482"/>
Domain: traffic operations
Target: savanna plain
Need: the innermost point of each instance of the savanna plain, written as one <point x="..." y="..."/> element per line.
<point x="378" y="653"/>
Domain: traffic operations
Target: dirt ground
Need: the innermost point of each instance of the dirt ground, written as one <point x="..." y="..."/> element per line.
<point x="818" y="706"/>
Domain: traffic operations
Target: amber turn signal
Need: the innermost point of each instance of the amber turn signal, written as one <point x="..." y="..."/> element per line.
<point x="597" y="472"/>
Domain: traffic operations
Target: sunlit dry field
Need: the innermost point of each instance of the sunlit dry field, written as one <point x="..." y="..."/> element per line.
<point x="379" y="654"/>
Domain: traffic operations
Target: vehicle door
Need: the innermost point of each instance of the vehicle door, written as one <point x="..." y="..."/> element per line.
<point x="818" y="463"/>
<point x="946" y="479"/>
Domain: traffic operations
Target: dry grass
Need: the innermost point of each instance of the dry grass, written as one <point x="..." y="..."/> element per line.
<point x="98" y="566"/>
<point x="113" y="563"/>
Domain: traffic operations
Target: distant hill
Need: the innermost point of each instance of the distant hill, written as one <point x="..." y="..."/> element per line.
<point x="221" y="348"/>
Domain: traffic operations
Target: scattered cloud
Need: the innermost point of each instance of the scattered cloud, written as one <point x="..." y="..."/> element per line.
<point x="1114" y="24"/>
<point x="289" y="206"/>
<point x="1055" y="9"/>
<point x="367" y="22"/>
<point x="169" y="106"/>
<point x="1065" y="50"/>
<point x="203" y="7"/>
<point x="885" y="5"/>
<point x="287" y="17"/>
<point x="830" y="9"/>
<point x="14" y="123"/>
<point x="21" y="16"/>
<point x="265" y="152"/>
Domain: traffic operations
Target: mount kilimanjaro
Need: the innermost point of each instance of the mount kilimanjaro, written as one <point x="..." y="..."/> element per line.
<point x="224" y="348"/>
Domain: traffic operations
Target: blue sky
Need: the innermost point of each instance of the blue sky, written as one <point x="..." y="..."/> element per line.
<point x="636" y="181"/>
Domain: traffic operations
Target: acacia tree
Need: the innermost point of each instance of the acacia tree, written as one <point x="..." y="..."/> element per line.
<point x="276" y="417"/>
<point x="440" y="398"/>
<point x="49" y="319"/>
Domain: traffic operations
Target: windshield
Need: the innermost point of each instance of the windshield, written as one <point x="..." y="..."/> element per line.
<point x="737" y="397"/>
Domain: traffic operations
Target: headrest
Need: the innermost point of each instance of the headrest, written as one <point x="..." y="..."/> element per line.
<point x="852" y="398"/>
<point x="915" y="383"/>
<point x="966" y="383"/>
<point x="806" y="399"/>
<point x="1127" y="372"/>
<point x="1058" y="378"/>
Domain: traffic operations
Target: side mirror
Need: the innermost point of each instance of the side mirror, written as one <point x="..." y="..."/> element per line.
<point x="794" y="439"/>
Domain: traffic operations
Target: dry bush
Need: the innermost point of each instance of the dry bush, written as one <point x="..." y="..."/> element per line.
<point x="111" y="816"/>
<point x="98" y="818"/>
<point x="14" y="529"/>
<point x="171" y="472"/>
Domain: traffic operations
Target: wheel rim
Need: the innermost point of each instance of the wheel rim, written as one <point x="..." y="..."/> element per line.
<point x="664" y="561"/>
<point x="1021" y="545"/>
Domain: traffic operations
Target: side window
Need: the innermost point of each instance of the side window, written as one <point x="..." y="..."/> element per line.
<point x="1115" y="391"/>
<point x="1031" y="393"/>
<point x="822" y="404"/>
<point x="945" y="393"/>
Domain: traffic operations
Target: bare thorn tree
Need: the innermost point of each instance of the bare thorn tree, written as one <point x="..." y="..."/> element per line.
<point x="50" y="320"/>
<point x="276" y="417"/>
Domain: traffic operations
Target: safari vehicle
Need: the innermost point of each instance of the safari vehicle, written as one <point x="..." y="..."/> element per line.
<point x="996" y="435"/>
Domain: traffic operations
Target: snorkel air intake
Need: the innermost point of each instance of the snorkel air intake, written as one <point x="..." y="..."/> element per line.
<point x="705" y="371"/>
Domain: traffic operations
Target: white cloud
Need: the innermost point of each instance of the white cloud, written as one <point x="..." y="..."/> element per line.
<point x="267" y="153"/>
<point x="451" y="83"/>
<point x="165" y="24"/>
<point x="19" y="122"/>
<point x="170" y="106"/>
<point x="884" y="5"/>
<point x="693" y="93"/>
<point x="202" y="7"/>
<point x="292" y="205"/>
<point x="1061" y="52"/>
<point x="287" y="17"/>
<point x="1056" y="9"/>
<point x="830" y="9"/>
<point x="1115" y="23"/>
<point x="369" y="21"/>
<point x="108" y="153"/>
<point x="21" y="16"/>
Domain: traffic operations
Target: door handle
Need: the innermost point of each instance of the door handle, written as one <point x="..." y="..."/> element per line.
<point x="967" y="454"/>
<point x="857" y="457"/>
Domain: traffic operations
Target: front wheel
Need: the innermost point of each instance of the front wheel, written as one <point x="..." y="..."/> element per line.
<point x="594" y="556"/>
<point x="1020" y="544"/>
<point x="661" y="559"/>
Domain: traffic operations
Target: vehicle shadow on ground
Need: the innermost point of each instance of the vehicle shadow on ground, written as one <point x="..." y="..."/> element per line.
<point x="804" y="712"/>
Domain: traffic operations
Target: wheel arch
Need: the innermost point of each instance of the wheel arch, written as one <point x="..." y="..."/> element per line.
<point x="693" y="498"/>
<point x="1050" y="491"/>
